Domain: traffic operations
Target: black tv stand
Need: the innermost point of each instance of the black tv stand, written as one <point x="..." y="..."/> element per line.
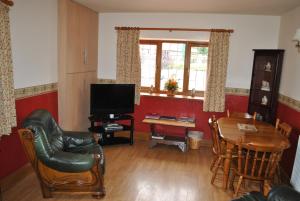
<point x="107" y="137"/>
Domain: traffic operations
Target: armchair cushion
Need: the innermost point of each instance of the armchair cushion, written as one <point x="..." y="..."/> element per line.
<point x="71" y="162"/>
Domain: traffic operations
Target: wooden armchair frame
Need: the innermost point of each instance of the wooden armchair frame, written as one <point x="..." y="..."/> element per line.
<point x="54" y="181"/>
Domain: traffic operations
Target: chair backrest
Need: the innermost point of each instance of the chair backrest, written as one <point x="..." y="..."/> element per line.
<point x="257" y="161"/>
<point x="212" y="122"/>
<point x="42" y="123"/>
<point x="241" y="115"/>
<point x="284" y="128"/>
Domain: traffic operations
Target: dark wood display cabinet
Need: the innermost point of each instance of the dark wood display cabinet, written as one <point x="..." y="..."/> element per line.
<point x="265" y="82"/>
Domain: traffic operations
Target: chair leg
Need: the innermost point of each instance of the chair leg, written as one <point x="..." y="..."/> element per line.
<point x="45" y="191"/>
<point x="216" y="170"/>
<point x="232" y="181"/>
<point x="213" y="163"/>
<point x="278" y="175"/>
<point x="238" y="186"/>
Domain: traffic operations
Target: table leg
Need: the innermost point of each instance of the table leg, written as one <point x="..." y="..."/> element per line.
<point x="153" y="133"/>
<point x="227" y="162"/>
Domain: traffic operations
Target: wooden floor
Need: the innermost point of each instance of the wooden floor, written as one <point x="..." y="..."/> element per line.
<point x="137" y="173"/>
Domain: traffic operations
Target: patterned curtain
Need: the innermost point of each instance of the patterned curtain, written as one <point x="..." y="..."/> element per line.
<point x="7" y="97"/>
<point x="214" y="95"/>
<point x="128" y="60"/>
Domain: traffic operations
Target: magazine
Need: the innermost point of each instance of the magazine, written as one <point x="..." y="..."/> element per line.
<point x="247" y="127"/>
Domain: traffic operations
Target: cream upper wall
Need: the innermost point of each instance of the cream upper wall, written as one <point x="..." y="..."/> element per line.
<point x="250" y="32"/>
<point x="290" y="81"/>
<point x="34" y="42"/>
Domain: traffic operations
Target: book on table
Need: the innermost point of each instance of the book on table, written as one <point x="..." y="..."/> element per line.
<point x="167" y="118"/>
<point x="186" y="119"/>
<point x="152" y="116"/>
<point x="247" y="127"/>
<point x="158" y="137"/>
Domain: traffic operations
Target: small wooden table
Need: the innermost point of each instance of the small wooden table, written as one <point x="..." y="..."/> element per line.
<point x="181" y="142"/>
<point x="266" y="135"/>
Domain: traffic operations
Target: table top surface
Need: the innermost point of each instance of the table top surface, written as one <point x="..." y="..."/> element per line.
<point x="266" y="134"/>
<point x="170" y="123"/>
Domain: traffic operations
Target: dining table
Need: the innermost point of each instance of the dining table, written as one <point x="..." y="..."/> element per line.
<point x="241" y="130"/>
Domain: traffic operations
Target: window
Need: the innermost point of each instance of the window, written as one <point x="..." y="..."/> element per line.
<point x="183" y="60"/>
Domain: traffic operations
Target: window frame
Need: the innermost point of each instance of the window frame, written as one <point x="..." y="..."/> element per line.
<point x="186" y="74"/>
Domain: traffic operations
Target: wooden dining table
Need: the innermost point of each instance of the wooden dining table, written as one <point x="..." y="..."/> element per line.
<point x="265" y="134"/>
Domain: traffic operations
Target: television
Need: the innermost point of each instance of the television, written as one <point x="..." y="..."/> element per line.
<point x="112" y="99"/>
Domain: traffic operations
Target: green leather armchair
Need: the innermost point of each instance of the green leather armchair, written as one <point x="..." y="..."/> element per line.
<point x="65" y="161"/>
<point x="278" y="193"/>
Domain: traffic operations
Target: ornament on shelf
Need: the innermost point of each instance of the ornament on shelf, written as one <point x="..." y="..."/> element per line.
<point x="265" y="85"/>
<point x="264" y="100"/>
<point x="268" y="67"/>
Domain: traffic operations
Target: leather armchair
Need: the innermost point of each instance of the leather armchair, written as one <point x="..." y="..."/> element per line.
<point x="64" y="161"/>
<point x="279" y="193"/>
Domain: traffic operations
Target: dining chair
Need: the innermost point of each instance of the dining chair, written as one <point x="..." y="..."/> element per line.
<point x="218" y="148"/>
<point x="215" y="140"/>
<point x="256" y="163"/>
<point x="241" y="115"/>
<point x="284" y="128"/>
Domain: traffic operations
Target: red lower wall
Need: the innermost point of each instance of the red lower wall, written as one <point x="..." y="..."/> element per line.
<point x="12" y="156"/>
<point x="183" y="107"/>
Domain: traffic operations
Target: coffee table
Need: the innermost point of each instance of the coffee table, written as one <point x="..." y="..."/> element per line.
<point x="157" y="138"/>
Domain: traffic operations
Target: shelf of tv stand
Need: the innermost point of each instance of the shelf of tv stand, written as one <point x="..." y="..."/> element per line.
<point x="100" y="129"/>
<point x="98" y="118"/>
<point x="108" y="137"/>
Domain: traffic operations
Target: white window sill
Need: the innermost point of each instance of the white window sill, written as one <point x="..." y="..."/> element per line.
<point x="175" y="96"/>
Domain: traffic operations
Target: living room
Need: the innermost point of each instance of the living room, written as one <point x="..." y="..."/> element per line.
<point x="34" y="29"/>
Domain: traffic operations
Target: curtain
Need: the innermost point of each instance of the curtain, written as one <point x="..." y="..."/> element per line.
<point x="128" y="60"/>
<point x="7" y="97"/>
<point x="214" y="95"/>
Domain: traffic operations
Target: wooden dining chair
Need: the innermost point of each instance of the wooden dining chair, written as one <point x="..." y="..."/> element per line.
<point x="215" y="140"/>
<point x="284" y="128"/>
<point x="241" y="115"/>
<point x="256" y="162"/>
<point x="218" y="148"/>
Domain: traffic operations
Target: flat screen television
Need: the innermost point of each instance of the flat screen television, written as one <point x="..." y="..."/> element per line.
<point x="114" y="99"/>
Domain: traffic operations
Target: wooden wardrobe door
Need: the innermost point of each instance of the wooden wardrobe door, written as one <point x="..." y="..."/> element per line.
<point x="78" y="104"/>
<point x="74" y="52"/>
<point x="89" y="38"/>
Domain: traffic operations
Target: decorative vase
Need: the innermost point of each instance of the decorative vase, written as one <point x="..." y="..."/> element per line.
<point x="170" y="93"/>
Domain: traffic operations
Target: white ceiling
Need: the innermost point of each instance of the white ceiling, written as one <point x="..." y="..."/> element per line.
<point x="260" y="7"/>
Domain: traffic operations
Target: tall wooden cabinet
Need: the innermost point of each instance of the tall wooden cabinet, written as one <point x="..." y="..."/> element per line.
<point x="265" y="82"/>
<point x="78" y="60"/>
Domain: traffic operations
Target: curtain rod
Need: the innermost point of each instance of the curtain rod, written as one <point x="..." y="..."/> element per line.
<point x="7" y="2"/>
<point x="174" y="29"/>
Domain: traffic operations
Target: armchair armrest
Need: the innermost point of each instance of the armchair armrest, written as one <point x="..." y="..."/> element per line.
<point x="74" y="139"/>
<point x="71" y="162"/>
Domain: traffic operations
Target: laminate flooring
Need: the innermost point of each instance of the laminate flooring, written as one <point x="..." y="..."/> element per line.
<point x="138" y="173"/>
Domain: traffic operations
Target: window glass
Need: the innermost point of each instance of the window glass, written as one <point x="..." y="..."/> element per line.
<point x="198" y="66"/>
<point x="172" y="63"/>
<point x="148" y="64"/>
